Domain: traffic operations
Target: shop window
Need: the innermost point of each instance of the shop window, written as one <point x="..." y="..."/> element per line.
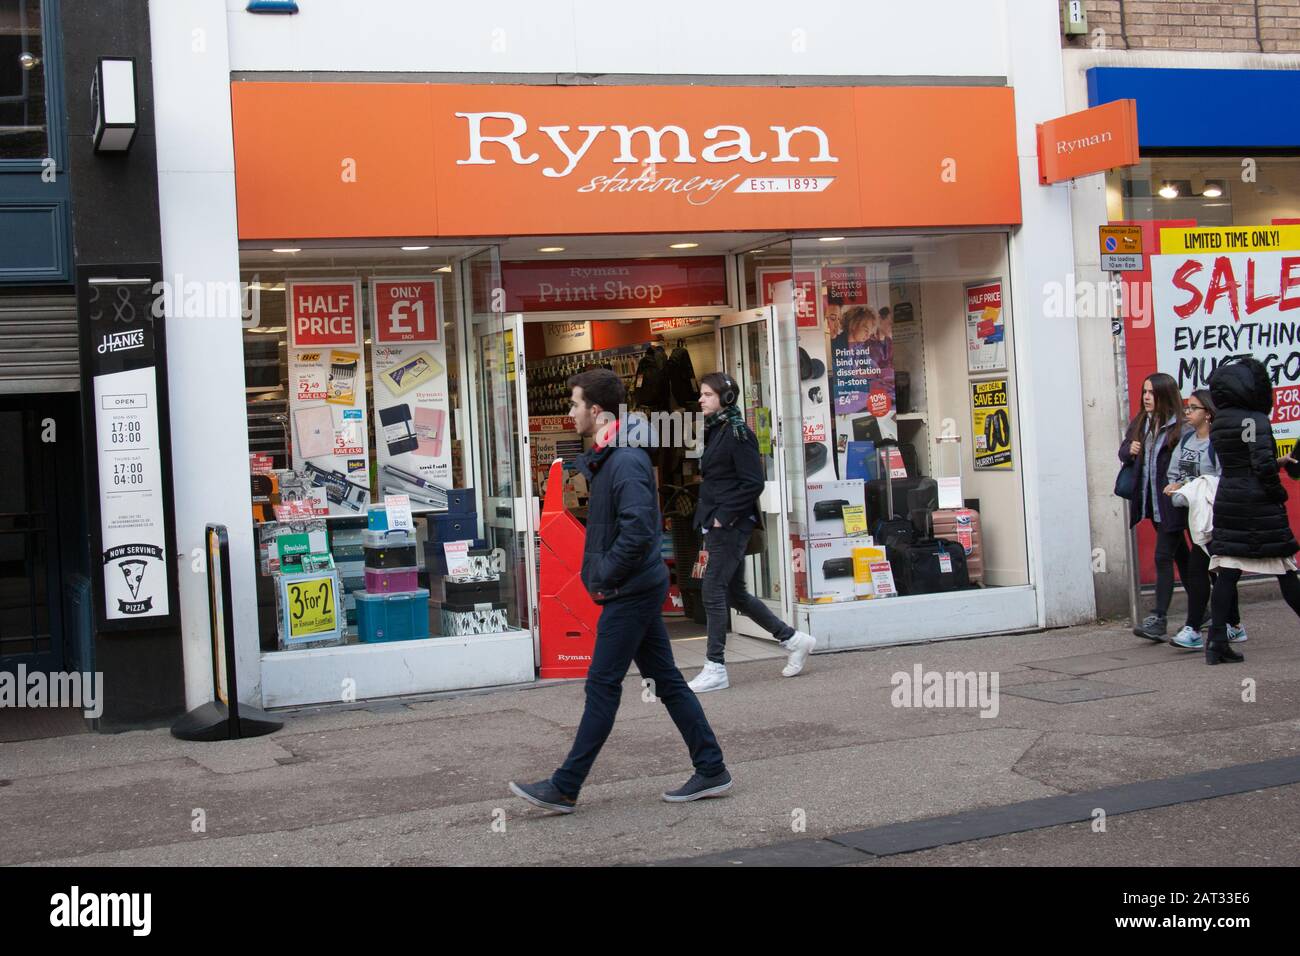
<point x="899" y="413"/>
<point x="356" y="390"/>
<point x="1252" y="190"/>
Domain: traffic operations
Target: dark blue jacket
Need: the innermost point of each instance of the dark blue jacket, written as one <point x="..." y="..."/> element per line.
<point x="624" y="528"/>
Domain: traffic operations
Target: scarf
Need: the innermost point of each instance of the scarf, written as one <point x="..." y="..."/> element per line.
<point x="728" y="414"/>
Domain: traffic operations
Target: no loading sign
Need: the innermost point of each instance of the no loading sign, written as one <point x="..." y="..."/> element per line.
<point x="133" y="586"/>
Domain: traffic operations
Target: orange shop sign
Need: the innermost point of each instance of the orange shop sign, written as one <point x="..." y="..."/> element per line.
<point x="1087" y="142"/>
<point x="327" y="160"/>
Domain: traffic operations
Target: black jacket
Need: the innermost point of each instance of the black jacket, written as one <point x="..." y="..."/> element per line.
<point x="624" y="529"/>
<point x="1249" y="508"/>
<point x="733" y="478"/>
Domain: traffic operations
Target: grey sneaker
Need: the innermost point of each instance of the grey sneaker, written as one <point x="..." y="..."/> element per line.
<point x="697" y="788"/>
<point x="1153" y="628"/>
<point x="544" y="794"/>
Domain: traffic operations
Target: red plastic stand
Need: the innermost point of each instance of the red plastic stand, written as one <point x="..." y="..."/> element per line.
<point x="568" y="614"/>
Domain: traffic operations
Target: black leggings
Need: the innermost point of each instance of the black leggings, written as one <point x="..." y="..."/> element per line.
<point x="1199" y="581"/>
<point x="1171" y="550"/>
<point x="1223" y="604"/>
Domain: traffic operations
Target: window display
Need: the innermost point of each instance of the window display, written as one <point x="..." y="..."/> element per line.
<point x="890" y="387"/>
<point x="355" y="399"/>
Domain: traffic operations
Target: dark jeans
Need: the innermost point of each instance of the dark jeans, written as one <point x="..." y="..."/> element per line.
<point x="632" y="629"/>
<point x="1223" y="603"/>
<point x="1171" y="550"/>
<point x="724" y="588"/>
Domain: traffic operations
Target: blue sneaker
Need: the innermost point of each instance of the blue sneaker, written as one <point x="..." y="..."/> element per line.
<point x="545" y="795"/>
<point x="1236" y="633"/>
<point x="697" y="788"/>
<point x="1188" y="639"/>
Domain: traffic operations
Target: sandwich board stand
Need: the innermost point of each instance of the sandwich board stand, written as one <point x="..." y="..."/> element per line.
<point x="223" y="717"/>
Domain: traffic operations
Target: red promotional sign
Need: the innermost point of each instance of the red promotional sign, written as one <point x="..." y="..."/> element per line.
<point x="589" y="285"/>
<point x="658" y="326"/>
<point x="805" y="293"/>
<point x="984" y="297"/>
<point x="406" y="310"/>
<point x="323" y="313"/>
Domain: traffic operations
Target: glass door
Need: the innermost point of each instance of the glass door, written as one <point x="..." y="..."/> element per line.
<point x="747" y="346"/>
<point x="500" y="450"/>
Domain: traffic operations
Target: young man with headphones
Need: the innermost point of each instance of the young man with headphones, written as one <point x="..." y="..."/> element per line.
<point x="727" y="514"/>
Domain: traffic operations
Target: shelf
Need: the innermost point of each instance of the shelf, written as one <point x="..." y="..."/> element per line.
<point x="912" y="417"/>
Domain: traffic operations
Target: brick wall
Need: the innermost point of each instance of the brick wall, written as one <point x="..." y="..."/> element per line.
<point x="1192" y="25"/>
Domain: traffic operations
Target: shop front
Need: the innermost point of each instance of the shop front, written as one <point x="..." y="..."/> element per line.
<point x="428" y="272"/>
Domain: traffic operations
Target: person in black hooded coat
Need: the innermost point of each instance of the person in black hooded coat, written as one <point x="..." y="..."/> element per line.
<point x="1251" y="530"/>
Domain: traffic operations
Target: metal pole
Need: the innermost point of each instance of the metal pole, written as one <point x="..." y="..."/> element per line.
<point x="1121" y="391"/>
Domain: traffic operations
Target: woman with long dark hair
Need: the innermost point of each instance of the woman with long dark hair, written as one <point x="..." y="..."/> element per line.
<point x="733" y="479"/>
<point x="1251" y="530"/>
<point x="1150" y="441"/>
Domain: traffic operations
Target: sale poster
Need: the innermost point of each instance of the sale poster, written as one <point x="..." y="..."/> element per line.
<point x="1220" y="292"/>
<point x="991" y="425"/>
<point x="804" y="293"/>
<point x="986" y="331"/>
<point x="412" y="408"/>
<point x="327" y="390"/>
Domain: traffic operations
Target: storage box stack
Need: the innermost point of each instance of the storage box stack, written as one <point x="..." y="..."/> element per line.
<point x="468" y="602"/>
<point x="392" y="607"/>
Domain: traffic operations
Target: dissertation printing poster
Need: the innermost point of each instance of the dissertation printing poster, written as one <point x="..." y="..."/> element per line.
<point x="327" y="390"/>
<point x="412" y="408"/>
<point x="860" y="334"/>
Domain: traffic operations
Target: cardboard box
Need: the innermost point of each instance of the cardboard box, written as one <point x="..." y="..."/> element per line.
<point x="825" y="502"/>
<point x="836" y="568"/>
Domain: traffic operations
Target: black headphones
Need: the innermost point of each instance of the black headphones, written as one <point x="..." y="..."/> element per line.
<point x="730" y="390"/>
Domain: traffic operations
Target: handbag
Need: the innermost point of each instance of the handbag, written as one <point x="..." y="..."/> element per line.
<point x="1126" y="480"/>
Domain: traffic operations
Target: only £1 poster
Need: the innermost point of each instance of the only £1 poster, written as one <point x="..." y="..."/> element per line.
<point x="412" y="407"/>
<point x="991" y="424"/>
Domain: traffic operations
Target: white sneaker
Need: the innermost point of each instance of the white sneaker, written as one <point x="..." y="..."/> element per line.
<point x="1236" y="633"/>
<point x="800" y="645"/>
<point x="713" y="677"/>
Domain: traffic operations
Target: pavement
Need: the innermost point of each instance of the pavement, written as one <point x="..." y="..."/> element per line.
<point x="424" y="782"/>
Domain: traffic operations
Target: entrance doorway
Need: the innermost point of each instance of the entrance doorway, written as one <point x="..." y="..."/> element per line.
<point x="661" y="361"/>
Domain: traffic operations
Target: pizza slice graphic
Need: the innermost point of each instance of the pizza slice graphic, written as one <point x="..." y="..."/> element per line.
<point x="133" y="571"/>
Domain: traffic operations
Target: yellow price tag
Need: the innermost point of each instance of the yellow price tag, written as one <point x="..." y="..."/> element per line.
<point x="855" y="519"/>
<point x="313" y="607"/>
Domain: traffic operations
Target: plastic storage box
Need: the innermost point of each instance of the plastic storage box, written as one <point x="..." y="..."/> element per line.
<point x="389" y="557"/>
<point x="392" y="617"/>
<point x="391" y="580"/>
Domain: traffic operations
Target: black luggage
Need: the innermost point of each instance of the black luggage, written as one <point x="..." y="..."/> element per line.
<point x="929" y="566"/>
<point x="909" y="494"/>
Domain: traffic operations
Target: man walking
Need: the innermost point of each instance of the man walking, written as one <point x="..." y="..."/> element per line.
<point x="623" y="571"/>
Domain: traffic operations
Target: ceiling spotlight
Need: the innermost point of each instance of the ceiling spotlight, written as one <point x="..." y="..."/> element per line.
<point x="551" y="249"/>
<point x="1213" y="188"/>
<point x="684" y="245"/>
<point x="414" y="248"/>
<point x="286" y="250"/>
<point x="1169" y="190"/>
<point x="830" y="238"/>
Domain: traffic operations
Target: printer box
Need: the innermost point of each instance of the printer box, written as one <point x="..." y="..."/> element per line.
<point x="836" y="568"/>
<point x="826" y="501"/>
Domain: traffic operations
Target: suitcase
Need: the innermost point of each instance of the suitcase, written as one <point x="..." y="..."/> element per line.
<point x="963" y="526"/>
<point x="909" y="494"/>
